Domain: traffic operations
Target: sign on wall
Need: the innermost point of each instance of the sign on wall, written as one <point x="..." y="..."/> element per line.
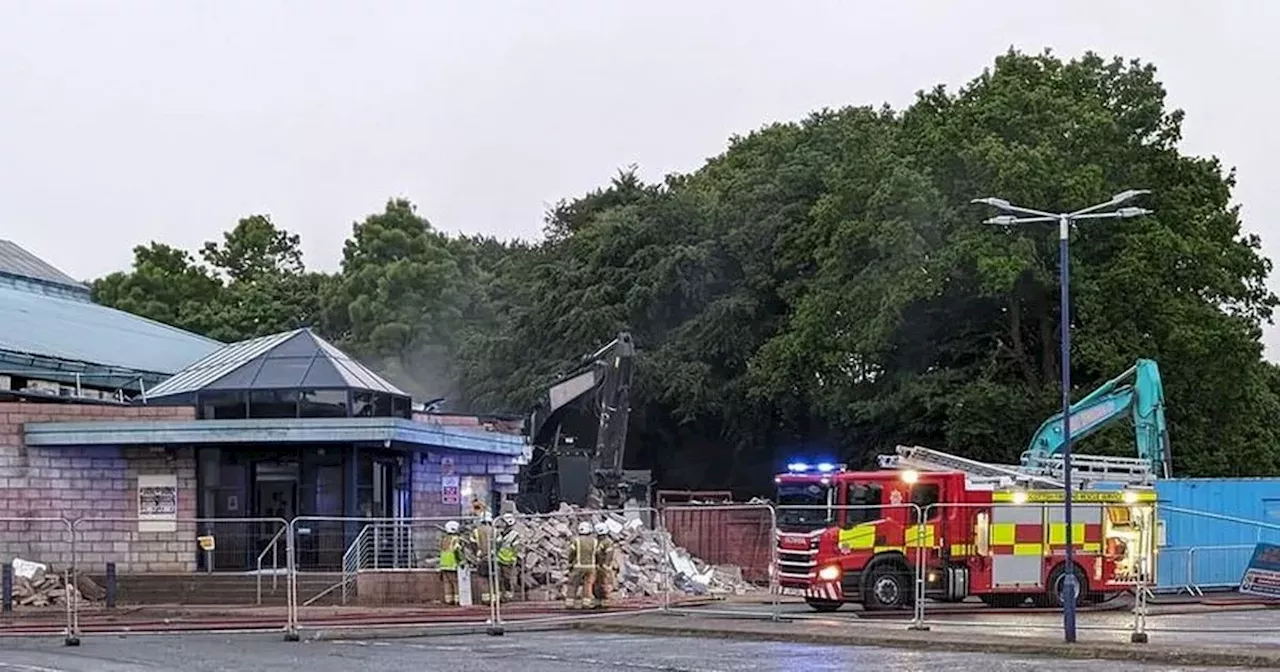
<point x="449" y="490"/>
<point x="1262" y="576"/>
<point x="157" y="503"/>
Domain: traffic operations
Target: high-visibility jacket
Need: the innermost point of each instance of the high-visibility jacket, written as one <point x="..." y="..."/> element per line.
<point x="449" y="546"/>
<point x="582" y="552"/>
<point x="507" y="549"/>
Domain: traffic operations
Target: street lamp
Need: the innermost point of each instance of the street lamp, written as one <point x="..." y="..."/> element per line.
<point x="1064" y="220"/>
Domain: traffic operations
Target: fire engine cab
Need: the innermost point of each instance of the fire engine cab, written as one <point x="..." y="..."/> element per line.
<point x="991" y="531"/>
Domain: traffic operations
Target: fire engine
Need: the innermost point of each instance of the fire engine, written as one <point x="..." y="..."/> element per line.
<point x="992" y="531"/>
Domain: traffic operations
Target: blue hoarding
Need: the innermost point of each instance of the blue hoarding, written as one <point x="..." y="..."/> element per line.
<point x="1211" y="528"/>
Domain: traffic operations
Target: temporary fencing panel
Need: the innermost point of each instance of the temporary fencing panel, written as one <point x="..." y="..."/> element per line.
<point x="39" y="587"/>
<point x="1208" y="550"/>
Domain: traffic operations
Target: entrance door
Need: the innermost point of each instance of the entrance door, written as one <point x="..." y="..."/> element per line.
<point x="275" y="489"/>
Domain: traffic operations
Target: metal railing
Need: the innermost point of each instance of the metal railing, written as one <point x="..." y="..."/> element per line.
<point x="272" y="548"/>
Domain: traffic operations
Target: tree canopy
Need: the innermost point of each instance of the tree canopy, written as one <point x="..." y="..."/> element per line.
<point x="821" y="287"/>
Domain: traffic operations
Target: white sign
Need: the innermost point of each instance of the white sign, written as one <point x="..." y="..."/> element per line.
<point x="157" y="503"/>
<point x="449" y="493"/>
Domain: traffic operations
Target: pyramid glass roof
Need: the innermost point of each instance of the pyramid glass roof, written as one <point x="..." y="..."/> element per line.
<point x="291" y="360"/>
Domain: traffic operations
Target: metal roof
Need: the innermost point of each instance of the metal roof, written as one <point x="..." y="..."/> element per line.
<point x="18" y="262"/>
<point x="296" y="359"/>
<point x="80" y="331"/>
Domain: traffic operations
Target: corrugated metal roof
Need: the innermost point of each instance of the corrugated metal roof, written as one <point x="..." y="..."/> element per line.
<point x="296" y="359"/>
<point x="70" y="329"/>
<point x="16" y="261"/>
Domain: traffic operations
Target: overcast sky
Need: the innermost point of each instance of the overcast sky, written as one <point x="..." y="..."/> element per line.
<point x="123" y="122"/>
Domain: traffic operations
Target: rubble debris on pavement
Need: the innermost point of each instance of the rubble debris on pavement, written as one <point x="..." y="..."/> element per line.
<point x="37" y="585"/>
<point x="646" y="556"/>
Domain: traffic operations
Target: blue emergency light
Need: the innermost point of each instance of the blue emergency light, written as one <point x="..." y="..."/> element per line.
<point x="804" y="467"/>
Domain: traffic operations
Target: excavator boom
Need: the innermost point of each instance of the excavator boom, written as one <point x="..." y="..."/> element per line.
<point x="1142" y="399"/>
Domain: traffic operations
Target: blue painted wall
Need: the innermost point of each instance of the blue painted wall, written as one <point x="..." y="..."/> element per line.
<point x="1202" y="548"/>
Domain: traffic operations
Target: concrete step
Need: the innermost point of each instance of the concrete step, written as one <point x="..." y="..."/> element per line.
<point x="220" y="589"/>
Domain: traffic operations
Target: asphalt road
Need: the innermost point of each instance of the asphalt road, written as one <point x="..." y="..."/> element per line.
<point x="1203" y="628"/>
<point x="527" y="652"/>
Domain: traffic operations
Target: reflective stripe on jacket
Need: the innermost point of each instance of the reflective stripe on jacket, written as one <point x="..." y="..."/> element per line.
<point x="582" y="552"/>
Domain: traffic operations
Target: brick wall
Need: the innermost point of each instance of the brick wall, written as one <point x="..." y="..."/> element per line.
<point x="38" y="484"/>
<point x="426" y="473"/>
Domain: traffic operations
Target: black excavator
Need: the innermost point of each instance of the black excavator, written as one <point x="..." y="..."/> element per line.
<point x="578" y="435"/>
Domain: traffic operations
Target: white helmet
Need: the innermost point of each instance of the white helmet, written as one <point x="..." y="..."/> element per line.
<point x="451" y="527"/>
<point x="509" y="518"/>
<point x="584" y="527"/>
<point x="602" y="529"/>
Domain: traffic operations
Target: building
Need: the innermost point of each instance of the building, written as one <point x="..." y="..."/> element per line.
<point x="150" y="437"/>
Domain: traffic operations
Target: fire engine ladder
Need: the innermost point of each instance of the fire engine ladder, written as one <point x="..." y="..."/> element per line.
<point x="1093" y="468"/>
<point x="928" y="459"/>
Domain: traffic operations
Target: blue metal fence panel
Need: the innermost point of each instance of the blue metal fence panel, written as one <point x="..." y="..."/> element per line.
<point x="1211" y="526"/>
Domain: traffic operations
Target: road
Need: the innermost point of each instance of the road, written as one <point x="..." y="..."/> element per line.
<point x="1258" y="627"/>
<point x="526" y="652"/>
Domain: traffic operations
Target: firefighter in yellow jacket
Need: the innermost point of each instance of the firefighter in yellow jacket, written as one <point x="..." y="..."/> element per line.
<point x="582" y="567"/>
<point x="606" y="565"/>
<point x="450" y="550"/>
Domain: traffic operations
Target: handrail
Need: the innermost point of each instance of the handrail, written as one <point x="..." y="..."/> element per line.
<point x="273" y="547"/>
<point x="354" y="548"/>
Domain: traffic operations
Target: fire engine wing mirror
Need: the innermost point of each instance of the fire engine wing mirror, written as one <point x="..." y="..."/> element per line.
<point x="982" y="533"/>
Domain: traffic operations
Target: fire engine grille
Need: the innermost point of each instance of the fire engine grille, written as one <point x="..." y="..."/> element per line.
<point x="798" y="559"/>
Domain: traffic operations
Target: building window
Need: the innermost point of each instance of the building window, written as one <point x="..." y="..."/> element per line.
<point x="223" y="406"/>
<point x="322" y="404"/>
<point x="273" y="404"/>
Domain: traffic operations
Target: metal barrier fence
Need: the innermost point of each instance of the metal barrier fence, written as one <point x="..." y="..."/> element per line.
<point x="702" y="553"/>
<point x="38" y="597"/>
<point x="1207" y="551"/>
<point x="315" y="572"/>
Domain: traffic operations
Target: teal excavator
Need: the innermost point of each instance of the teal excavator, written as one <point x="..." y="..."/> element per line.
<point x="1137" y="392"/>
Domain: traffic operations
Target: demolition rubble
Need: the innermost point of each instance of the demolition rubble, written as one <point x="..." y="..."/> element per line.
<point x="646" y="556"/>
<point x="36" y="585"/>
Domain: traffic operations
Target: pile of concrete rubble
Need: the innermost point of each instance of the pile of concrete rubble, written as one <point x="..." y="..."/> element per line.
<point x="37" y="585"/>
<point x="646" y="556"/>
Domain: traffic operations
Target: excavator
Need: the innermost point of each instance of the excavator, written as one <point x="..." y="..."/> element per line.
<point x="592" y="401"/>
<point x="1142" y="399"/>
<point x="1138" y="392"/>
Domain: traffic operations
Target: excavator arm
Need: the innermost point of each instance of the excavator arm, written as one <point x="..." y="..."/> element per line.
<point x="1142" y="399"/>
<point x="580" y="473"/>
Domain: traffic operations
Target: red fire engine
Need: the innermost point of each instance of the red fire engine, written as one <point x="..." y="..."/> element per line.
<point x="987" y="531"/>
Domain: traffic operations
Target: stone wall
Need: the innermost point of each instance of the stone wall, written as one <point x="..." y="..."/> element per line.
<point x="39" y="485"/>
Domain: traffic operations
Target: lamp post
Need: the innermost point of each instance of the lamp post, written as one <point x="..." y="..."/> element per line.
<point x="1028" y="216"/>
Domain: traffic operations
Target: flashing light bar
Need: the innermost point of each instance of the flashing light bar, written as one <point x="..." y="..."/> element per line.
<point x="804" y="467"/>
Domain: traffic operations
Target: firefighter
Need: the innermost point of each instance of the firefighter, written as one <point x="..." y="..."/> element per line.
<point x="582" y="567"/>
<point x="450" y="552"/>
<point x="607" y="565"/>
<point x="481" y="543"/>
<point x="507" y="554"/>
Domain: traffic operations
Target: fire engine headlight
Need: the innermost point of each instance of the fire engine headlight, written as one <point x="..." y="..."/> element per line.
<point x="1130" y="497"/>
<point x="910" y="476"/>
<point x="829" y="573"/>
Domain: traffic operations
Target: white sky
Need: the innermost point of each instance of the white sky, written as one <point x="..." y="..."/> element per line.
<point x="134" y="120"/>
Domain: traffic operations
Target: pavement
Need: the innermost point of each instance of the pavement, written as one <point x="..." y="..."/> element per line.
<point x="561" y="651"/>
<point x="1239" y="639"/>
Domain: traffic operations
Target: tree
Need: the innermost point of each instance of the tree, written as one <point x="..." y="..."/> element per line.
<point x="395" y="300"/>
<point x="254" y="284"/>
<point x="167" y="285"/>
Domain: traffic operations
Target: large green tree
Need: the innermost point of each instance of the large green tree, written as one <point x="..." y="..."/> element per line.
<point x="821" y="287"/>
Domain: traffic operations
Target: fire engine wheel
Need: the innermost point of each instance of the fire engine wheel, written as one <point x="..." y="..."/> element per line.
<point x="888" y="587"/>
<point x="824" y="606"/>
<point x="1057" y="580"/>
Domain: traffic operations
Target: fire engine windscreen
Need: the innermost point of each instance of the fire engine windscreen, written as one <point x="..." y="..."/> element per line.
<point x="803" y="507"/>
